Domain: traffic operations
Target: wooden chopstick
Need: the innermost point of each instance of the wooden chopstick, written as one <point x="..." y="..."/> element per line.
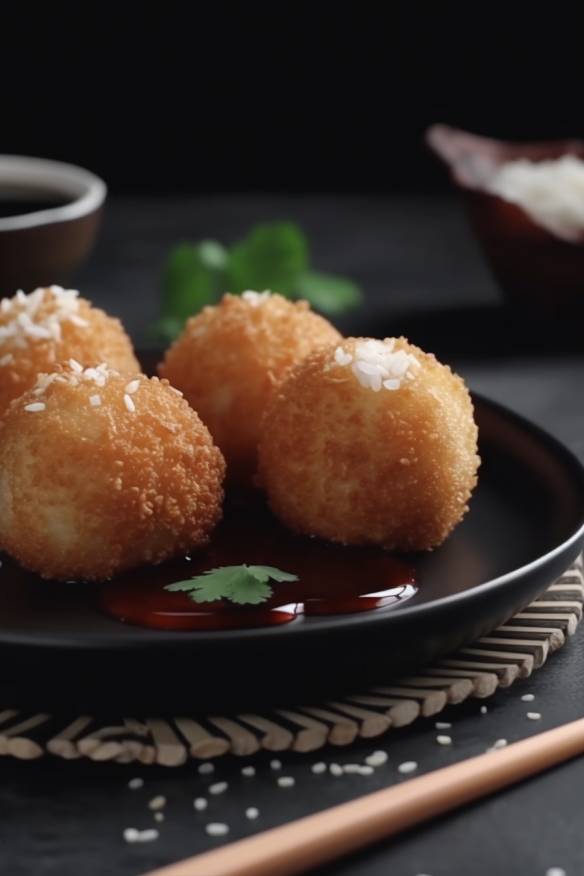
<point x="318" y="839"/>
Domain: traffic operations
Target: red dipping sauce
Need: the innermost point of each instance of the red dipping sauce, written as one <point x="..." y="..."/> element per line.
<point x="332" y="579"/>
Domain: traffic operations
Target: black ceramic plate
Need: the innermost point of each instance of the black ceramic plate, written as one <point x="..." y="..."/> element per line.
<point x="525" y="526"/>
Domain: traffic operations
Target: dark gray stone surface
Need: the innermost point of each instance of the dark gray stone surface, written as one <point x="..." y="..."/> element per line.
<point x="410" y="255"/>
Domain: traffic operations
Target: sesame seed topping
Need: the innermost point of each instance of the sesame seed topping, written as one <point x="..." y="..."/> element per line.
<point x="131" y="835"/>
<point x="95" y="401"/>
<point x="442" y="725"/>
<point x="408" y="766"/>
<point x="276" y="764"/>
<point x="342" y="357"/>
<point x="38" y="316"/>
<point x="483" y="710"/>
<point x="252" y="813"/>
<point x="216" y="828"/>
<point x="255" y="298"/>
<point x="76" y="366"/>
<point x="35" y="406"/>
<point x="248" y="771"/>
<point x="528" y="698"/>
<point x="378" y="758"/>
<point x="318" y="768"/>
<point x="205" y="769"/>
<point x="351" y="769"/>
<point x="132" y="386"/>
<point x="335" y="769"/>
<point x="130" y="406"/>
<point x="135" y="784"/>
<point x="533" y="716"/>
<point x="159" y="817"/>
<point x="555" y="871"/>
<point x="499" y="743"/>
<point x="218" y="788"/>
<point x="376" y="364"/>
<point x="286" y="782"/>
<point x="366" y="770"/>
<point x="158" y="802"/>
<point x="200" y="803"/>
<point x="444" y="740"/>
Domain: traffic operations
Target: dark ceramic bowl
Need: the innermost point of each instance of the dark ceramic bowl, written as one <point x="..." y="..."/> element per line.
<point x="539" y="272"/>
<point x="49" y="216"/>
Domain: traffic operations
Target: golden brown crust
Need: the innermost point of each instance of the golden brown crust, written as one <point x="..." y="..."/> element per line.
<point x="102" y="340"/>
<point x="88" y="491"/>
<point x="229" y="361"/>
<point x="394" y="468"/>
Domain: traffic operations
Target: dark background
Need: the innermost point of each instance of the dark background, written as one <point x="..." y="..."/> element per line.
<point x="297" y="97"/>
<point x="285" y="105"/>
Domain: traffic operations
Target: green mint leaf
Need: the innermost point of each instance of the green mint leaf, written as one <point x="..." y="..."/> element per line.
<point x="327" y="292"/>
<point x="272" y="256"/>
<point x="193" y="277"/>
<point x="242" y="585"/>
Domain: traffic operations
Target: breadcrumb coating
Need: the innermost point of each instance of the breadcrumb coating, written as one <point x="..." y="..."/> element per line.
<point x="49" y="326"/>
<point x="231" y="358"/>
<point x="347" y="458"/>
<point x="91" y="485"/>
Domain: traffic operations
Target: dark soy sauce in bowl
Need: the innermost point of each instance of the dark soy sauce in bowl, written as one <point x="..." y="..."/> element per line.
<point x="11" y="206"/>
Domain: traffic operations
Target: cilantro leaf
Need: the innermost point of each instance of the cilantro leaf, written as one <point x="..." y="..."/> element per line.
<point x="328" y="292"/>
<point x="242" y="585"/>
<point x="250" y="590"/>
<point x="264" y="573"/>
<point x="272" y="256"/>
<point x="193" y="277"/>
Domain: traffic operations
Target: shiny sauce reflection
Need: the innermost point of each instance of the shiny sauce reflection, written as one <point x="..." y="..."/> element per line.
<point x="333" y="579"/>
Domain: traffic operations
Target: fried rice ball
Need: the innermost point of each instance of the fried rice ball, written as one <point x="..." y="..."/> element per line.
<point x="52" y="325"/>
<point x="231" y="358"/>
<point x="371" y="443"/>
<point x="100" y="472"/>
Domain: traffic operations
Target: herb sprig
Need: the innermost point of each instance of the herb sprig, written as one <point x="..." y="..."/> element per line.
<point x="274" y="255"/>
<point x="242" y="585"/>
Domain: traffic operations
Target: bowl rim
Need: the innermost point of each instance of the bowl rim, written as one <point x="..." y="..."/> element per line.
<point x="53" y="175"/>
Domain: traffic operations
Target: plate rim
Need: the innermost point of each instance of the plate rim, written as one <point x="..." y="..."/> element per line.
<point x="161" y="639"/>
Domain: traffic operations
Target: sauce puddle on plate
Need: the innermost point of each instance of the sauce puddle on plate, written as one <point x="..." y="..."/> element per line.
<point x="332" y="579"/>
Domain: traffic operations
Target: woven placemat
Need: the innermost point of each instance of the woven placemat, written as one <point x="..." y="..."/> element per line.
<point x="512" y="651"/>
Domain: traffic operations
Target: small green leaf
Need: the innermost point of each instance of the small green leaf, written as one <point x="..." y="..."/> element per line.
<point x="265" y="573"/>
<point x="272" y="256"/>
<point x="250" y="590"/>
<point x="164" y="330"/>
<point x="242" y="585"/>
<point x="193" y="277"/>
<point x="327" y="292"/>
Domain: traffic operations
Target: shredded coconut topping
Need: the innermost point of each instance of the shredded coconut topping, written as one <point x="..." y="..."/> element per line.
<point x="255" y="298"/>
<point x="375" y="364"/>
<point x="25" y="319"/>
